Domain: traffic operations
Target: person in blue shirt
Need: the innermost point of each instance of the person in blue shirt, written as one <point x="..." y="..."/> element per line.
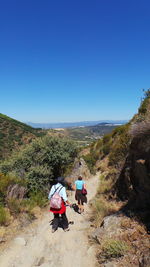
<point x="81" y="199"/>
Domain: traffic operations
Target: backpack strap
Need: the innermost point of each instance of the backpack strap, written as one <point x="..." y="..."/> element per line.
<point x="60" y="189"/>
<point x="56" y="190"/>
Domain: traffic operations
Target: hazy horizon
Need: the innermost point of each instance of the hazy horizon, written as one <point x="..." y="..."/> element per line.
<point x="52" y="125"/>
<point x="53" y="122"/>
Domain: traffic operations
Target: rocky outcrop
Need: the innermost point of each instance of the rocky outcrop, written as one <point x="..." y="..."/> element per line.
<point x="80" y="168"/>
<point x="16" y="191"/>
<point x="123" y="229"/>
<point x="133" y="183"/>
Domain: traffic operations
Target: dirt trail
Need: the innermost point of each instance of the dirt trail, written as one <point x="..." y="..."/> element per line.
<point x="37" y="246"/>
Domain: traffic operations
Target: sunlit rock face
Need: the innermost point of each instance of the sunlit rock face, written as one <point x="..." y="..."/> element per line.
<point x="133" y="183"/>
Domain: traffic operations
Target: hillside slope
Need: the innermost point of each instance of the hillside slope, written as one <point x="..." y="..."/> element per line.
<point x="127" y="152"/>
<point x="13" y="134"/>
<point x="123" y="157"/>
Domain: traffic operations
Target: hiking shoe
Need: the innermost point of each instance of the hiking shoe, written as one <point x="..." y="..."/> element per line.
<point x="66" y="230"/>
<point x="53" y="230"/>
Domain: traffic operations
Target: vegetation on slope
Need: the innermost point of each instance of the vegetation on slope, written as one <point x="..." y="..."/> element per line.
<point x="115" y="145"/>
<point x="34" y="167"/>
<point x="123" y="157"/>
<point x="14" y="133"/>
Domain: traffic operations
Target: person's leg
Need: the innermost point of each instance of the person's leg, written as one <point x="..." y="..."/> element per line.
<point x="79" y="205"/>
<point x="55" y="222"/>
<point x="65" y="221"/>
<point x="82" y="208"/>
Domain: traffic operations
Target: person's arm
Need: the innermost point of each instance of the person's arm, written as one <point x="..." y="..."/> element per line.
<point x="68" y="203"/>
<point x="51" y="192"/>
<point x="64" y="196"/>
<point x="84" y="185"/>
<point x="74" y="187"/>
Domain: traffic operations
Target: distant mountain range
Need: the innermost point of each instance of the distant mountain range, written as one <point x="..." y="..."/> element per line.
<point x="74" y="124"/>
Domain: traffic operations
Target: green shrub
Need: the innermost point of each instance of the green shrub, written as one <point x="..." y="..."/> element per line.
<point x="38" y="178"/>
<point x="38" y="199"/>
<point x="41" y="161"/>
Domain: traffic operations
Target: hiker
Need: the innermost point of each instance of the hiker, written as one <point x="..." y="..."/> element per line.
<point x="59" y="187"/>
<point x="81" y="198"/>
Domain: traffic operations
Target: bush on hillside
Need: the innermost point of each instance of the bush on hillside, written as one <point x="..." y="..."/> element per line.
<point x="37" y="199"/>
<point x="41" y="161"/>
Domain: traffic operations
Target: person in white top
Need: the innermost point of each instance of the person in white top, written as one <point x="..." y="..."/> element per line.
<point x="59" y="188"/>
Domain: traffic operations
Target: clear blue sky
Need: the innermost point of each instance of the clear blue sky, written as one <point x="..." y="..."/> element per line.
<point x="77" y="60"/>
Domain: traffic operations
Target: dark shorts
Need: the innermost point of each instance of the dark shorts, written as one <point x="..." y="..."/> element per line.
<point x="80" y="197"/>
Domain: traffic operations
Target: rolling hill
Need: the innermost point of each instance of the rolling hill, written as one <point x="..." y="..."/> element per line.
<point x="84" y="134"/>
<point x="13" y="134"/>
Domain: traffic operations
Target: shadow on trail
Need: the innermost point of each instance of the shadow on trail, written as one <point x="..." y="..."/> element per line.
<point x="60" y="224"/>
<point x="75" y="208"/>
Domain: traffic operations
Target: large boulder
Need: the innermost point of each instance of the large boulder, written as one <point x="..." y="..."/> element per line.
<point x="110" y="227"/>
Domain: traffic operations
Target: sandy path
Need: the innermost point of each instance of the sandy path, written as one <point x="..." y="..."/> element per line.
<point x="37" y="246"/>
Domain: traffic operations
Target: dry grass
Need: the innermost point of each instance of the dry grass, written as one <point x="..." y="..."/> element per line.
<point x="102" y="165"/>
<point x="141" y="128"/>
<point x="113" y="248"/>
<point x="4" y="216"/>
<point x="105" y="186"/>
<point x="101" y="206"/>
